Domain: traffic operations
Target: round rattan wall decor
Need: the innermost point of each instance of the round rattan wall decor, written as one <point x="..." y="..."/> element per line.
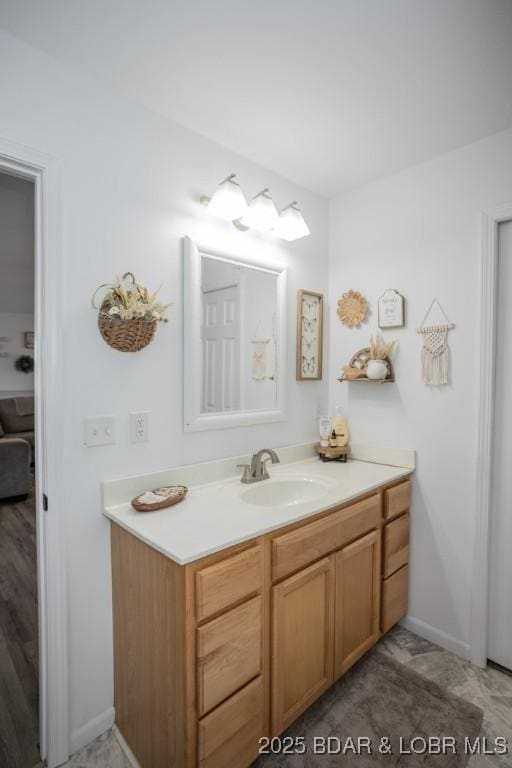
<point x="352" y="308"/>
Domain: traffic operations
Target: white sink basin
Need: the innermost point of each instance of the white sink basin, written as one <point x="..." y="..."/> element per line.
<point x="285" y="492"/>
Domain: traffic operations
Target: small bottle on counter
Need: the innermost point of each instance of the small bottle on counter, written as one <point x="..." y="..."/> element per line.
<point x="324" y="428"/>
<point x="340" y="429"/>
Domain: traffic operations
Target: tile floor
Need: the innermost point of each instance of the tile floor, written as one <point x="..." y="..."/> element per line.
<point x="487" y="688"/>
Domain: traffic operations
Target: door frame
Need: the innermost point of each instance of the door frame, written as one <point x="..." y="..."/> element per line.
<point x="488" y="331"/>
<point x="44" y="172"/>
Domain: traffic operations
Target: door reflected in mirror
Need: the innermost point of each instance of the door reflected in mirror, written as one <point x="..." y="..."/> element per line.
<point x="239" y="306"/>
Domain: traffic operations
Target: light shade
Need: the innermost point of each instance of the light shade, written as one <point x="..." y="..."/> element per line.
<point x="291" y="224"/>
<point x="262" y="214"/>
<point x="228" y="201"/>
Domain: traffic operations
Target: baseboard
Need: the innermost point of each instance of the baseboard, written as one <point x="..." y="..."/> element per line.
<point x="82" y="736"/>
<point x="437" y="636"/>
<point x="125" y="747"/>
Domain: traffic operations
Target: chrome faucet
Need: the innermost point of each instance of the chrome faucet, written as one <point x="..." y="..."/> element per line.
<point x="257" y="469"/>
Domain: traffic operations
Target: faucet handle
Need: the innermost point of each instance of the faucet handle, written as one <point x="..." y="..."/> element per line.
<point x="246" y="476"/>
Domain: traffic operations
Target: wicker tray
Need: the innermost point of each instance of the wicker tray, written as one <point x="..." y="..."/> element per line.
<point x="159" y="498"/>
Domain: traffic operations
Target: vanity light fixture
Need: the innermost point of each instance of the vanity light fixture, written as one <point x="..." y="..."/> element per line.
<point x="291" y="224"/>
<point x="228" y="201"/>
<point x="262" y="214"/>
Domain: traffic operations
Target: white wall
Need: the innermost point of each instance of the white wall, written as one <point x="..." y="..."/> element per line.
<point x="12" y="327"/>
<point x="418" y="232"/>
<point x="130" y="185"/>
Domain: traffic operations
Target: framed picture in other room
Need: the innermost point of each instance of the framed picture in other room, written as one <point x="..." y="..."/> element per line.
<point x="29" y="339"/>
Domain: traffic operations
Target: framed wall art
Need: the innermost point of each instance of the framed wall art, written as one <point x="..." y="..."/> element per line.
<point x="391" y="309"/>
<point x="310" y="315"/>
<point x="29" y="339"/>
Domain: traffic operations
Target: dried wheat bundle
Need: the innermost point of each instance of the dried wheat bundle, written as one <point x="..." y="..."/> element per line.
<point x="379" y="348"/>
<point x="132" y="302"/>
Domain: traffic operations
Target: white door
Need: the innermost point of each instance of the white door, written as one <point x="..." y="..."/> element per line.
<point x="221" y="349"/>
<point x="500" y="576"/>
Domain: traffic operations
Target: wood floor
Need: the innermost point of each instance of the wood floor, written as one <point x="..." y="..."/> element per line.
<point x="18" y="636"/>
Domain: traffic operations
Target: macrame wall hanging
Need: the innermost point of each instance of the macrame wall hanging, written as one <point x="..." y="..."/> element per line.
<point x="435" y="353"/>
<point x="259" y="359"/>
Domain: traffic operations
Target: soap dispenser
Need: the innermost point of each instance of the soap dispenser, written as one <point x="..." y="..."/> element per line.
<point x="340" y="428"/>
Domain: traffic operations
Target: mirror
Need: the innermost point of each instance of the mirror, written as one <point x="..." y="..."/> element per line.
<point x="233" y="341"/>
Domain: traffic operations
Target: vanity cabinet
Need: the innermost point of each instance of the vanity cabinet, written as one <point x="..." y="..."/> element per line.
<point x="213" y="655"/>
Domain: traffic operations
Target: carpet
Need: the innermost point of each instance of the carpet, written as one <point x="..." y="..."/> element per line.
<point x="379" y="699"/>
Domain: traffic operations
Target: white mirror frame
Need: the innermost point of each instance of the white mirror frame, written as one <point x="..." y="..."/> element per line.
<point x="194" y="419"/>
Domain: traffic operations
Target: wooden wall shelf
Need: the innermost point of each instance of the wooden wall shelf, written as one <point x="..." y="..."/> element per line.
<point x="389" y="380"/>
<point x="359" y="360"/>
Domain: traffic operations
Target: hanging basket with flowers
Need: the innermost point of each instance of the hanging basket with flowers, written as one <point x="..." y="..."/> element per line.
<point x="128" y="314"/>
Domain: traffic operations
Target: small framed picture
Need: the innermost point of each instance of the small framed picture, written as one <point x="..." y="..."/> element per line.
<point x="310" y="316"/>
<point x="29" y="339"/>
<point x="391" y="309"/>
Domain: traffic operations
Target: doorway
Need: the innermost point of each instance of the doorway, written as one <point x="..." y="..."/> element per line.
<point x="19" y="624"/>
<point x="499" y="650"/>
<point x="42" y="171"/>
<point x="490" y="285"/>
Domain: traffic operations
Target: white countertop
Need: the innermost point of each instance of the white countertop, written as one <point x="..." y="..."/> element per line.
<point x="214" y="516"/>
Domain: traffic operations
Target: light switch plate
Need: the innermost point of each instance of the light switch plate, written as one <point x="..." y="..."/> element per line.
<point x="100" y="430"/>
<point x="139" y="427"/>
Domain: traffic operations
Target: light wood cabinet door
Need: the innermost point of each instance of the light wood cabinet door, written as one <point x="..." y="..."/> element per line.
<point x="302" y="641"/>
<point x="357" y="600"/>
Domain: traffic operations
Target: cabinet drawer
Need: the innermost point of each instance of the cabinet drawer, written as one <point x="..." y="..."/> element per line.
<point x="396" y="545"/>
<point x="228" y="654"/>
<point x="395" y="591"/>
<point x="229" y="737"/>
<point x="308" y="543"/>
<point x="397" y="500"/>
<point x="221" y="585"/>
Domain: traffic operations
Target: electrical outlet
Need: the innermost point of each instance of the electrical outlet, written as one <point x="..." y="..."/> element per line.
<point x="100" y="430"/>
<point x="139" y="427"/>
